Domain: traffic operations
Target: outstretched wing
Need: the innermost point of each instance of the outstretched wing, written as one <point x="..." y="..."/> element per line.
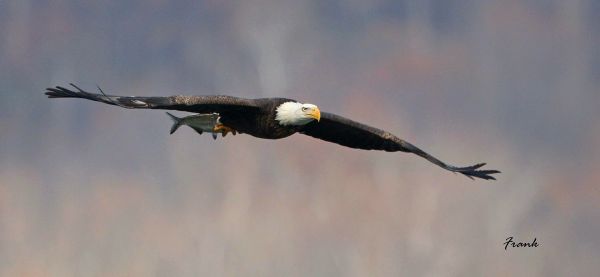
<point x="346" y="132"/>
<point x="195" y="104"/>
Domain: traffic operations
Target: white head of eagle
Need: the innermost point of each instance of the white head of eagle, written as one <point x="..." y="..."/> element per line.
<point x="297" y="114"/>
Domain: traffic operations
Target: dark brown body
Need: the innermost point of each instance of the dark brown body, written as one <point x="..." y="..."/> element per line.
<point x="260" y="123"/>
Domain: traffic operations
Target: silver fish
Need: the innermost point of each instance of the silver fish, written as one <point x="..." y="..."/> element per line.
<point x="199" y="122"/>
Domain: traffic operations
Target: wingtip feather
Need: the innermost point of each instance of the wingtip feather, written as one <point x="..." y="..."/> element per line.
<point x="471" y="172"/>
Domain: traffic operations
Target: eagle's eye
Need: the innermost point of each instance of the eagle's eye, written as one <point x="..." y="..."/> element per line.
<point x="304" y="109"/>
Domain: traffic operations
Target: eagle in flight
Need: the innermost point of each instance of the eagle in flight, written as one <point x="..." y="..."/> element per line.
<point x="268" y="118"/>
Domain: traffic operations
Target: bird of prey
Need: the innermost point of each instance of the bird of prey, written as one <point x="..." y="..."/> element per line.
<point x="268" y="118"/>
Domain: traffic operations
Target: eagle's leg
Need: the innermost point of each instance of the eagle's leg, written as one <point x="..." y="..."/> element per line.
<point x="224" y="130"/>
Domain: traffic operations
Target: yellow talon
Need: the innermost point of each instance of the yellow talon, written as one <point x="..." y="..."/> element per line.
<point x="224" y="130"/>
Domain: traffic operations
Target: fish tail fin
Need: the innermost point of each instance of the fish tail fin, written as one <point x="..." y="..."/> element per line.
<point x="177" y="122"/>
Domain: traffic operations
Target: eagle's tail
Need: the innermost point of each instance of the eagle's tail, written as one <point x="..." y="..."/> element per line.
<point x="469" y="171"/>
<point x="177" y="122"/>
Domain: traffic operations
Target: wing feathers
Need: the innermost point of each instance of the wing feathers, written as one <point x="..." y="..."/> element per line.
<point x="469" y="171"/>
<point x="196" y="104"/>
<point x="346" y="132"/>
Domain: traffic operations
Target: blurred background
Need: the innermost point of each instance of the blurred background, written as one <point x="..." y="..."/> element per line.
<point x="88" y="189"/>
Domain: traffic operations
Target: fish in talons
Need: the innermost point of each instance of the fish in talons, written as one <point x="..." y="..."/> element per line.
<point x="201" y="123"/>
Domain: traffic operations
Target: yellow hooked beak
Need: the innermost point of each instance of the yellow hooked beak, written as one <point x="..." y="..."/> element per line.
<point x="315" y="113"/>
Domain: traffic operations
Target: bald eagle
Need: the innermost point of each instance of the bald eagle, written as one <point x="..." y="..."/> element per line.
<point x="268" y="118"/>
